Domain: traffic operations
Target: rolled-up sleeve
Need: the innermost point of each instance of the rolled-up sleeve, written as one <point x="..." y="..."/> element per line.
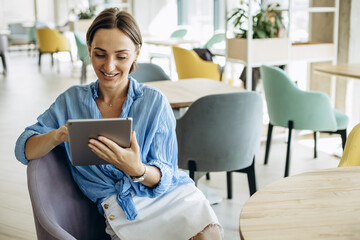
<point x="45" y="123"/>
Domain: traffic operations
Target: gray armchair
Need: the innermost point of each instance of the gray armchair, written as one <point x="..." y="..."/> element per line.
<point x="148" y="72"/>
<point x="221" y="133"/>
<point x="61" y="211"/>
<point x="20" y="34"/>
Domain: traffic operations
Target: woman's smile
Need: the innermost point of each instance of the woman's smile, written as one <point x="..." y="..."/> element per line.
<point x="112" y="54"/>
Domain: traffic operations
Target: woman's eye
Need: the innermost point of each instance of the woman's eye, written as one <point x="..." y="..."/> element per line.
<point x="121" y="58"/>
<point x="99" y="55"/>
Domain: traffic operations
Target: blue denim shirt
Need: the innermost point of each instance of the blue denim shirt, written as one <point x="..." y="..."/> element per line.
<point x="154" y="123"/>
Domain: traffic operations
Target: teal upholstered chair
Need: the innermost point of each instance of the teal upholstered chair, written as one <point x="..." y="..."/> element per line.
<point x="83" y="54"/>
<point x="179" y="33"/>
<point x="292" y="108"/>
<point x="216" y="38"/>
<point x="161" y="52"/>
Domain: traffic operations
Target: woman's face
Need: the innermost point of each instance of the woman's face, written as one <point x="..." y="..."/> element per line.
<point x="112" y="54"/>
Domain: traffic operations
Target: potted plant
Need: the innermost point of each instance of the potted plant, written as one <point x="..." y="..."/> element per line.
<point x="84" y="18"/>
<point x="267" y="29"/>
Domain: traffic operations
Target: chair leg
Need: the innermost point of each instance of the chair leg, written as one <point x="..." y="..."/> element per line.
<point x="229" y="184"/>
<point x="83" y="73"/>
<point x="315" y="144"/>
<point x="268" y="142"/>
<point x="250" y="171"/>
<point x="252" y="178"/>
<point x="52" y="60"/>
<point x="288" y="151"/>
<point x="343" y="137"/>
<point x="39" y="62"/>
<point x="207" y="176"/>
<point x="3" y="59"/>
<point x="192" y="169"/>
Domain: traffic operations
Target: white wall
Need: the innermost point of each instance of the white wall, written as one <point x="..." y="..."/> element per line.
<point x="15" y="11"/>
<point x="155" y="17"/>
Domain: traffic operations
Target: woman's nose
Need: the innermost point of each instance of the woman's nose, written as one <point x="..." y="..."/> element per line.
<point x="109" y="65"/>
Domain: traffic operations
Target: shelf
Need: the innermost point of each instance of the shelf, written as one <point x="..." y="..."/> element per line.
<point x="263" y="50"/>
<point x="312" y="51"/>
<point x="309" y="9"/>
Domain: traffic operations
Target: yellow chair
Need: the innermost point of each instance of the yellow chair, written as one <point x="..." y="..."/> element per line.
<point x="51" y="41"/>
<point x="190" y="65"/>
<point x="351" y="156"/>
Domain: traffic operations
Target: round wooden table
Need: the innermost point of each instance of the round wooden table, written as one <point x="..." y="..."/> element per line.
<point x="322" y="204"/>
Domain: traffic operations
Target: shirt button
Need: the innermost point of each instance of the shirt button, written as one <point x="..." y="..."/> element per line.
<point x="111" y="217"/>
<point x="106" y="206"/>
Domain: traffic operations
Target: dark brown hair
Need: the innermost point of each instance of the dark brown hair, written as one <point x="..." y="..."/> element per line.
<point x="114" y="18"/>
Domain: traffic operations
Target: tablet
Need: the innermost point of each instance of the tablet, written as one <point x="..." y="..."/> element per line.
<point x="81" y="130"/>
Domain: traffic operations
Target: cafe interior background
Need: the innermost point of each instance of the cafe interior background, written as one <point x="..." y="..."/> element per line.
<point x="26" y="91"/>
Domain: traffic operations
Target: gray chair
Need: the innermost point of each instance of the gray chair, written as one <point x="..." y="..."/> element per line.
<point x="148" y="72"/>
<point x="20" y="33"/>
<point x="61" y="211"/>
<point x="3" y="52"/>
<point x="221" y="133"/>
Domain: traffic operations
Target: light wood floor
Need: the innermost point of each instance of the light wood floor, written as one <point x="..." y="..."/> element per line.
<point x="25" y="93"/>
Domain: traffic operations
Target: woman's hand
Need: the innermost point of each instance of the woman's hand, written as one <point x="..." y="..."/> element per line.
<point x="126" y="159"/>
<point x="61" y="134"/>
<point x="39" y="145"/>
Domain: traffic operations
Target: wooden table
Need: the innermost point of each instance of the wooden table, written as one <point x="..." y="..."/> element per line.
<point x="323" y="204"/>
<point x="342" y="70"/>
<point x="184" y="92"/>
<point x="170" y="42"/>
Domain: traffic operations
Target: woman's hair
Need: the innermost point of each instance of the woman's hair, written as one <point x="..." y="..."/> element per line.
<point x="114" y="18"/>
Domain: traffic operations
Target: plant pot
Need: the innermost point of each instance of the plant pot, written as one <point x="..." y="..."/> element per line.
<point x="270" y="50"/>
<point x="83" y="25"/>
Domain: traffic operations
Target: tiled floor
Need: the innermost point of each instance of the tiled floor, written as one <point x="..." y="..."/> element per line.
<point x="25" y="93"/>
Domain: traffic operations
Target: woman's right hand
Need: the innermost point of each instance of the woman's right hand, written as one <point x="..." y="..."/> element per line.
<point x="61" y="134"/>
<point x="39" y="145"/>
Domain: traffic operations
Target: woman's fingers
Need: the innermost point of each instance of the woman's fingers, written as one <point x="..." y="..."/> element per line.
<point x="101" y="150"/>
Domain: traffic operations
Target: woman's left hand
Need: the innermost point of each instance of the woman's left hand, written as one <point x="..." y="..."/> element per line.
<point x="126" y="159"/>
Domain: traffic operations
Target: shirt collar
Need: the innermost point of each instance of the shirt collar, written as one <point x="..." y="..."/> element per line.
<point x="135" y="91"/>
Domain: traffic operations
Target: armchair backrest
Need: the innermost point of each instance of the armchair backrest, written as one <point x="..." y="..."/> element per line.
<point x="220" y="132"/>
<point x="179" y="33"/>
<point x="51" y="41"/>
<point x="351" y="155"/>
<point x="216" y="38"/>
<point x="82" y="48"/>
<point x="148" y="72"/>
<point x="190" y="65"/>
<point x="286" y="102"/>
<point x="61" y="211"/>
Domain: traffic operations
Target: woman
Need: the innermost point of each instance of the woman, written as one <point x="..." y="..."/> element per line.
<point x="141" y="192"/>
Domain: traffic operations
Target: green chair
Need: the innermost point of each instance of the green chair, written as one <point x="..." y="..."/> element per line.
<point x="179" y="33"/>
<point x="292" y="108"/>
<point x="216" y="38"/>
<point x="83" y="55"/>
<point x="161" y="52"/>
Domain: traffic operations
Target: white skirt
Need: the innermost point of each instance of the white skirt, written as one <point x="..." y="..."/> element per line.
<point x="179" y="214"/>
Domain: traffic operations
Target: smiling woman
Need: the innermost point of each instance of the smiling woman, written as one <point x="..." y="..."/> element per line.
<point x="141" y="191"/>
